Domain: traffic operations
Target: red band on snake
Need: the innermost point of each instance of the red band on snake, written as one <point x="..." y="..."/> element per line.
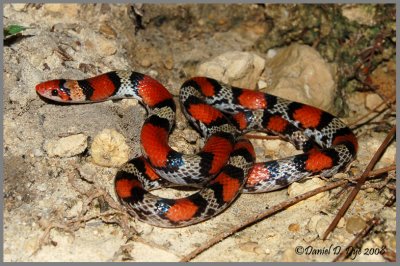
<point x="225" y="167"/>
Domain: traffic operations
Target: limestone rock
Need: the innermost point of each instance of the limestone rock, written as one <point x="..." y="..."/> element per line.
<point x="240" y="69"/>
<point x="299" y="73"/>
<point x="67" y="147"/>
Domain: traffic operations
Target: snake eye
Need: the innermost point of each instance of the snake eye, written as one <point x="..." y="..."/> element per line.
<point x="54" y="92"/>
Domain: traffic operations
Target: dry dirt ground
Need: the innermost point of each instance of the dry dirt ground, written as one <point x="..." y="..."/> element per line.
<point x="61" y="208"/>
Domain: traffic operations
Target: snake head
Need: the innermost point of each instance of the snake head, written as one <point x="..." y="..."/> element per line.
<point x="54" y="90"/>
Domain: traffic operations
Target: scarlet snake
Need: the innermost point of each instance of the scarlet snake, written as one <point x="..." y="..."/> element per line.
<point x="225" y="166"/>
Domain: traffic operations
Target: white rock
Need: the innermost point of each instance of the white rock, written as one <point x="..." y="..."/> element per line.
<point x="299" y="73"/>
<point x="66" y="147"/>
<point x="240" y="69"/>
<point x="262" y="84"/>
<point x="127" y="103"/>
<point x="271" y="53"/>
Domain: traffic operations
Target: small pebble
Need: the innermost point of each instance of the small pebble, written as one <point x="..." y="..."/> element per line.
<point x="355" y="224"/>
<point x="153" y="73"/>
<point x="341" y="223"/>
<point x="271" y="53"/>
<point x="127" y="103"/>
<point x="294" y="227"/>
<point x="169" y="63"/>
<point x="107" y="30"/>
<point x="145" y="62"/>
<point x="261" y="84"/>
<point x="248" y="246"/>
<point x="67" y="146"/>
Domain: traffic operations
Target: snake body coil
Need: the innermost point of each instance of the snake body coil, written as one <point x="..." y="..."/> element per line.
<point x="225" y="166"/>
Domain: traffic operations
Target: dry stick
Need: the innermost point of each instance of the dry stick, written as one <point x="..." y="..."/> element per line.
<point x="360" y="182"/>
<point x="370" y="224"/>
<point x="273" y="210"/>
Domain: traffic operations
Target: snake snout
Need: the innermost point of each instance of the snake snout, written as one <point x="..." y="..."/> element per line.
<point x="47" y="86"/>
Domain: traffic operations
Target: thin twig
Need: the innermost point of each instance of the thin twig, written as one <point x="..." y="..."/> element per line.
<point x="275" y="209"/>
<point x="360" y="182"/>
<point x="69" y="226"/>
